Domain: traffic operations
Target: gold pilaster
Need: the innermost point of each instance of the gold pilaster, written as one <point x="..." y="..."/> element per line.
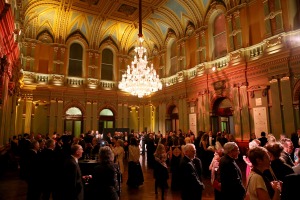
<point x="52" y="116"/>
<point x="288" y="115"/>
<point x="276" y="116"/>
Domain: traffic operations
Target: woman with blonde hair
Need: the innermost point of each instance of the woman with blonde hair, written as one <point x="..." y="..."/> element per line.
<point x="160" y="171"/>
<point x="259" y="187"/>
<point x="252" y="144"/>
<point x="118" y="151"/>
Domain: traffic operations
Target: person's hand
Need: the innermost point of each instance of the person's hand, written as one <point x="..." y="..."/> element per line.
<point x="276" y="185"/>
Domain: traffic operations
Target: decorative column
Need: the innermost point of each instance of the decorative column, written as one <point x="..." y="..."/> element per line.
<point x="287" y="102"/>
<point x="297" y="117"/>
<point x="152" y="118"/>
<point x="55" y="63"/>
<point x="162" y="108"/>
<point x="19" y="117"/>
<point x="245" y="116"/>
<point x="183" y="56"/>
<point x="276" y="116"/>
<point x="230" y="33"/>
<point x="60" y="119"/>
<point x="88" y="125"/>
<point x="95" y="115"/>
<point x="13" y="115"/>
<point x="33" y="65"/>
<point x="119" y="123"/>
<point x="183" y="114"/>
<point x="236" y="113"/>
<point x="28" y="112"/>
<point x="237" y="33"/>
<point x="200" y="112"/>
<point x="52" y="117"/>
<point x="206" y="105"/>
<point x="142" y="117"/>
<point x="125" y="116"/>
<point x="198" y="52"/>
<point x="133" y="118"/>
<point x="177" y="69"/>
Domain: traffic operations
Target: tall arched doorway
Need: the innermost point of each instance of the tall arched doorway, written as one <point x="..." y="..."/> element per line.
<point x="172" y="122"/>
<point x="221" y="118"/>
<point x="73" y="121"/>
<point x="106" y="120"/>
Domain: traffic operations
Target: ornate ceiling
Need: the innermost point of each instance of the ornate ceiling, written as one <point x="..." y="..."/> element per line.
<point x="98" y="20"/>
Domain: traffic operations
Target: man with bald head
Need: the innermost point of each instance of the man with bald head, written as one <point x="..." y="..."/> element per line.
<point x="191" y="171"/>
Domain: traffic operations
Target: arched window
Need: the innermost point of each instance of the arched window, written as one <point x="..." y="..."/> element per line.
<point x="74" y="121"/>
<point x="173" y="58"/>
<point x="74" y="111"/>
<point x="107" y="65"/>
<point x="75" y="60"/>
<point x="106" y="120"/>
<point x="219" y="35"/>
<point x="106" y="112"/>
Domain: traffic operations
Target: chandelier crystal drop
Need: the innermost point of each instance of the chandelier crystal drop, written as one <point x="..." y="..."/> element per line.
<point x="139" y="79"/>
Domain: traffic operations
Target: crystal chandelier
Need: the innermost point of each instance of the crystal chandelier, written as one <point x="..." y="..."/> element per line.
<point x="139" y="79"/>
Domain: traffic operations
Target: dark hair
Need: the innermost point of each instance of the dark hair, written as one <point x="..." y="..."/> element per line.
<point x="263" y="134"/>
<point x="175" y="141"/>
<point x="275" y="149"/>
<point x="256" y="153"/>
<point x="133" y="141"/>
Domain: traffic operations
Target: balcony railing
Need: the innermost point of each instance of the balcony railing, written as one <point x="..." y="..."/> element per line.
<point x="268" y="46"/>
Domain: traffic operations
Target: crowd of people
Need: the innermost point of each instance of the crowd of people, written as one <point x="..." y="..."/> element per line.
<point x="271" y="171"/>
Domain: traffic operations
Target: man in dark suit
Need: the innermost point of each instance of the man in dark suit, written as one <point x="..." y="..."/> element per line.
<point x="290" y="187"/>
<point x="48" y="158"/>
<point x="33" y="178"/>
<point x="288" y="149"/>
<point x="72" y="176"/>
<point x="263" y="139"/>
<point x="190" y="170"/>
<point x="230" y="174"/>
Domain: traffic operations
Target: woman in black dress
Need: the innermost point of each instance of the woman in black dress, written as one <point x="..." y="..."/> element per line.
<point x="106" y="176"/>
<point x="135" y="173"/>
<point x="175" y="156"/>
<point x="161" y="173"/>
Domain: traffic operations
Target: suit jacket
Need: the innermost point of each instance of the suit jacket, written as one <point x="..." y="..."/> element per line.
<point x="72" y="180"/>
<point x="280" y="169"/>
<point x="49" y="163"/>
<point x="290" y="187"/>
<point x="191" y="184"/>
<point x="231" y="179"/>
<point x="263" y="141"/>
<point x="287" y="159"/>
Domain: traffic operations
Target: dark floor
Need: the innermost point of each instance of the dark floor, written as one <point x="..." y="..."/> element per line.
<point x="12" y="188"/>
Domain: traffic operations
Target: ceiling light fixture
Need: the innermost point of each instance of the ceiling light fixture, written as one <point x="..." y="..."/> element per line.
<point x="139" y="79"/>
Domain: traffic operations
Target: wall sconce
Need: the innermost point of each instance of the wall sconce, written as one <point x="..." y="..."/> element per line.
<point x="213" y="69"/>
